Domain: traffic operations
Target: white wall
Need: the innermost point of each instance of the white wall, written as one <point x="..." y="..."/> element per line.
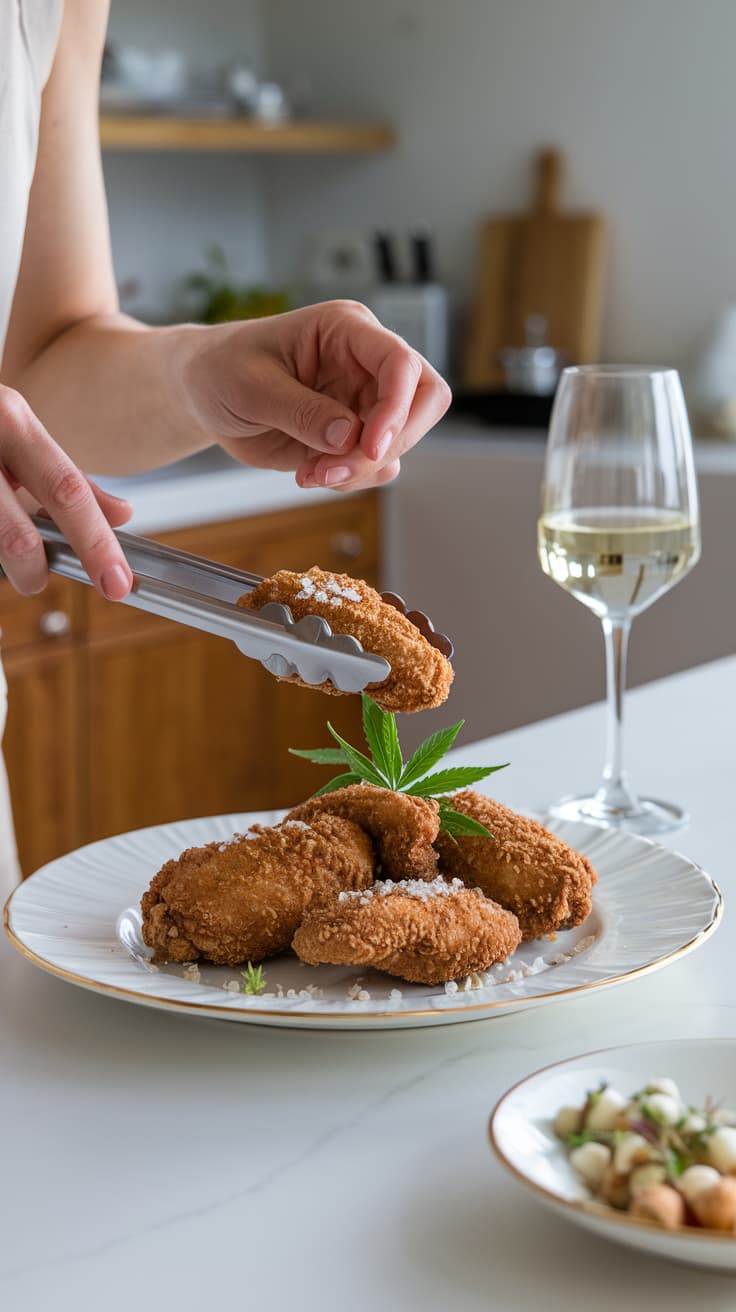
<point x="165" y="209"/>
<point x="638" y="93"/>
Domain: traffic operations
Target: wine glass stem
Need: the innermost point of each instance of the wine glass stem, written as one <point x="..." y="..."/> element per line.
<point x="614" y="791"/>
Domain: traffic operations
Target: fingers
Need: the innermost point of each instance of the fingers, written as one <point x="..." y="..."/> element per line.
<point x="116" y="511"/>
<point x="30" y="458"/>
<point x="369" y="476"/>
<point x="318" y="421"/>
<point x="408" y="390"/>
<point x="356" y="469"/>
<point x="21" y="550"/>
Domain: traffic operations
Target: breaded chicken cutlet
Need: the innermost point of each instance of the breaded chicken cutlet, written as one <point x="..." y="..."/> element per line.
<point x="420" y="675"/>
<point x="403" y="828"/>
<point x="242" y="900"/>
<point x="524" y="867"/>
<point x="424" y="932"/>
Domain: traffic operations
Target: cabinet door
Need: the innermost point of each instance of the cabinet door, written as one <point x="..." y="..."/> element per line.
<point x="183" y="725"/>
<point x="42" y="748"/>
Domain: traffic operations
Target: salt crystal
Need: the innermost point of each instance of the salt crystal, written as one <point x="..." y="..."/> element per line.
<point x="421" y="889"/>
<point x="395" y="995"/>
<point x="292" y="993"/>
<point x="231" y="986"/>
<point x="364" y="996"/>
<point x="451" y="987"/>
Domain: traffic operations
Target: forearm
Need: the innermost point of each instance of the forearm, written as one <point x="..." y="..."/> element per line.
<point x="110" y="390"/>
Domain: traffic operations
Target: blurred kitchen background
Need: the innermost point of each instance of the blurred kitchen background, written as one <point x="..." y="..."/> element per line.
<point x="261" y="154"/>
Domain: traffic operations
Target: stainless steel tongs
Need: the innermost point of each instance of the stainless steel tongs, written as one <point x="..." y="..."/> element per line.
<point x="203" y="594"/>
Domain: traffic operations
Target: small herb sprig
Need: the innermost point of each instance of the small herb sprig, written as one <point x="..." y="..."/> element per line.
<point x="386" y="768"/>
<point x="254" y="980"/>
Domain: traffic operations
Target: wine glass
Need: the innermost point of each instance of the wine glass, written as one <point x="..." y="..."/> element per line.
<point x="619" y="526"/>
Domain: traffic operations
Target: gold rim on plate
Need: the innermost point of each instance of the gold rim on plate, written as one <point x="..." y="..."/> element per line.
<point x="537" y="999"/>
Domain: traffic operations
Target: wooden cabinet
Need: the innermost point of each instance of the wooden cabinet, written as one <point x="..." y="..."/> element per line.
<point x="42" y="745"/>
<point x="119" y="719"/>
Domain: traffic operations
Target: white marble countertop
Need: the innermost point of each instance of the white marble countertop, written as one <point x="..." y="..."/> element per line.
<point x="158" y="1161"/>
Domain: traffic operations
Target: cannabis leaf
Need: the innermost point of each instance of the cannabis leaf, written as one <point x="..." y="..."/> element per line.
<point x="455" y="823"/>
<point x="385" y="768"/>
<point x="254" y="980"/>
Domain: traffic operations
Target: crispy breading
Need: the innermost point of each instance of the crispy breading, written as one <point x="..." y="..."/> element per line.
<point x="420" y="675"/>
<point x="403" y="828"/>
<point x="547" y="884"/>
<point x="243" y="899"/>
<point x="426" y="933"/>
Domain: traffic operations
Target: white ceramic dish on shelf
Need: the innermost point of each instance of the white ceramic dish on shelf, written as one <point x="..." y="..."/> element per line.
<point x="522" y="1135"/>
<point x="78" y="918"/>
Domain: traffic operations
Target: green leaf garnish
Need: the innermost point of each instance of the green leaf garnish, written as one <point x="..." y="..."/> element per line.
<point x="447" y="781"/>
<point x="382" y="746"/>
<point x="385" y="767"/>
<point x="359" y="763"/>
<point x="340" y="781"/>
<point x="456" y="822"/>
<point x="429" y="753"/>
<point x="322" y="755"/>
<point x="254" y="980"/>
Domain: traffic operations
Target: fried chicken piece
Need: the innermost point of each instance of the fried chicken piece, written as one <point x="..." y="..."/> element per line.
<point x="547" y="884"/>
<point x="403" y="828"/>
<point x="420" y="675"/>
<point x="424" y="932"/>
<point x="243" y="899"/>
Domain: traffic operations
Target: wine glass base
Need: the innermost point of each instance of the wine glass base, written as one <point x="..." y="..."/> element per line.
<point x="647" y="817"/>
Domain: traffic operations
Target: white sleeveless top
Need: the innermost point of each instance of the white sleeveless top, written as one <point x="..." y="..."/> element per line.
<point x="29" y="31"/>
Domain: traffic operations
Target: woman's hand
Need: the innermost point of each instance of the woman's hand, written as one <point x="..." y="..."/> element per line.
<point x="31" y="461"/>
<point x="325" y="391"/>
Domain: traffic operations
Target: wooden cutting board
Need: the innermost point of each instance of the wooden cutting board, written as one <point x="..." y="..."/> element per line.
<point x="545" y="263"/>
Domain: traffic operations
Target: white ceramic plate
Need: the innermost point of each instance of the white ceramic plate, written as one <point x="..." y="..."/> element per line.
<point x="78" y="918"/>
<point x="522" y="1134"/>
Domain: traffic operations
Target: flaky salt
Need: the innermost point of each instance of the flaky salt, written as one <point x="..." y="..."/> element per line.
<point x="424" y="890"/>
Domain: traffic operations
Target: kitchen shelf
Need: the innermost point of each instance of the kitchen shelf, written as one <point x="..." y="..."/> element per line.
<point x="157" y="132"/>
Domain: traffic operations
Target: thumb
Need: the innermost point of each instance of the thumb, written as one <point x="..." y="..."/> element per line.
<point x="317" y="421"/>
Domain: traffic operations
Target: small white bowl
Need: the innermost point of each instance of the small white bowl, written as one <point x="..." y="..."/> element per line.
<point x="522" y="1135"/>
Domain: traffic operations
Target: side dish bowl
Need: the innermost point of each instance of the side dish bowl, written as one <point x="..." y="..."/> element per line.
<point x="523" y="1138"/>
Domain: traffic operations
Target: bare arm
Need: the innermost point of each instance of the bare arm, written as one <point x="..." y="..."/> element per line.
<point x="325" y="391"/>
<point x="69" y="351"/>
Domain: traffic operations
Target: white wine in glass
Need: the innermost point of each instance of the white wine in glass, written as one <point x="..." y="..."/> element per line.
<point x="619" y="526"/>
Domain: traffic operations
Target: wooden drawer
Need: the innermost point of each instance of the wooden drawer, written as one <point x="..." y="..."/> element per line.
<point x="342" y="536"/>
<point x="58" y="612"/>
